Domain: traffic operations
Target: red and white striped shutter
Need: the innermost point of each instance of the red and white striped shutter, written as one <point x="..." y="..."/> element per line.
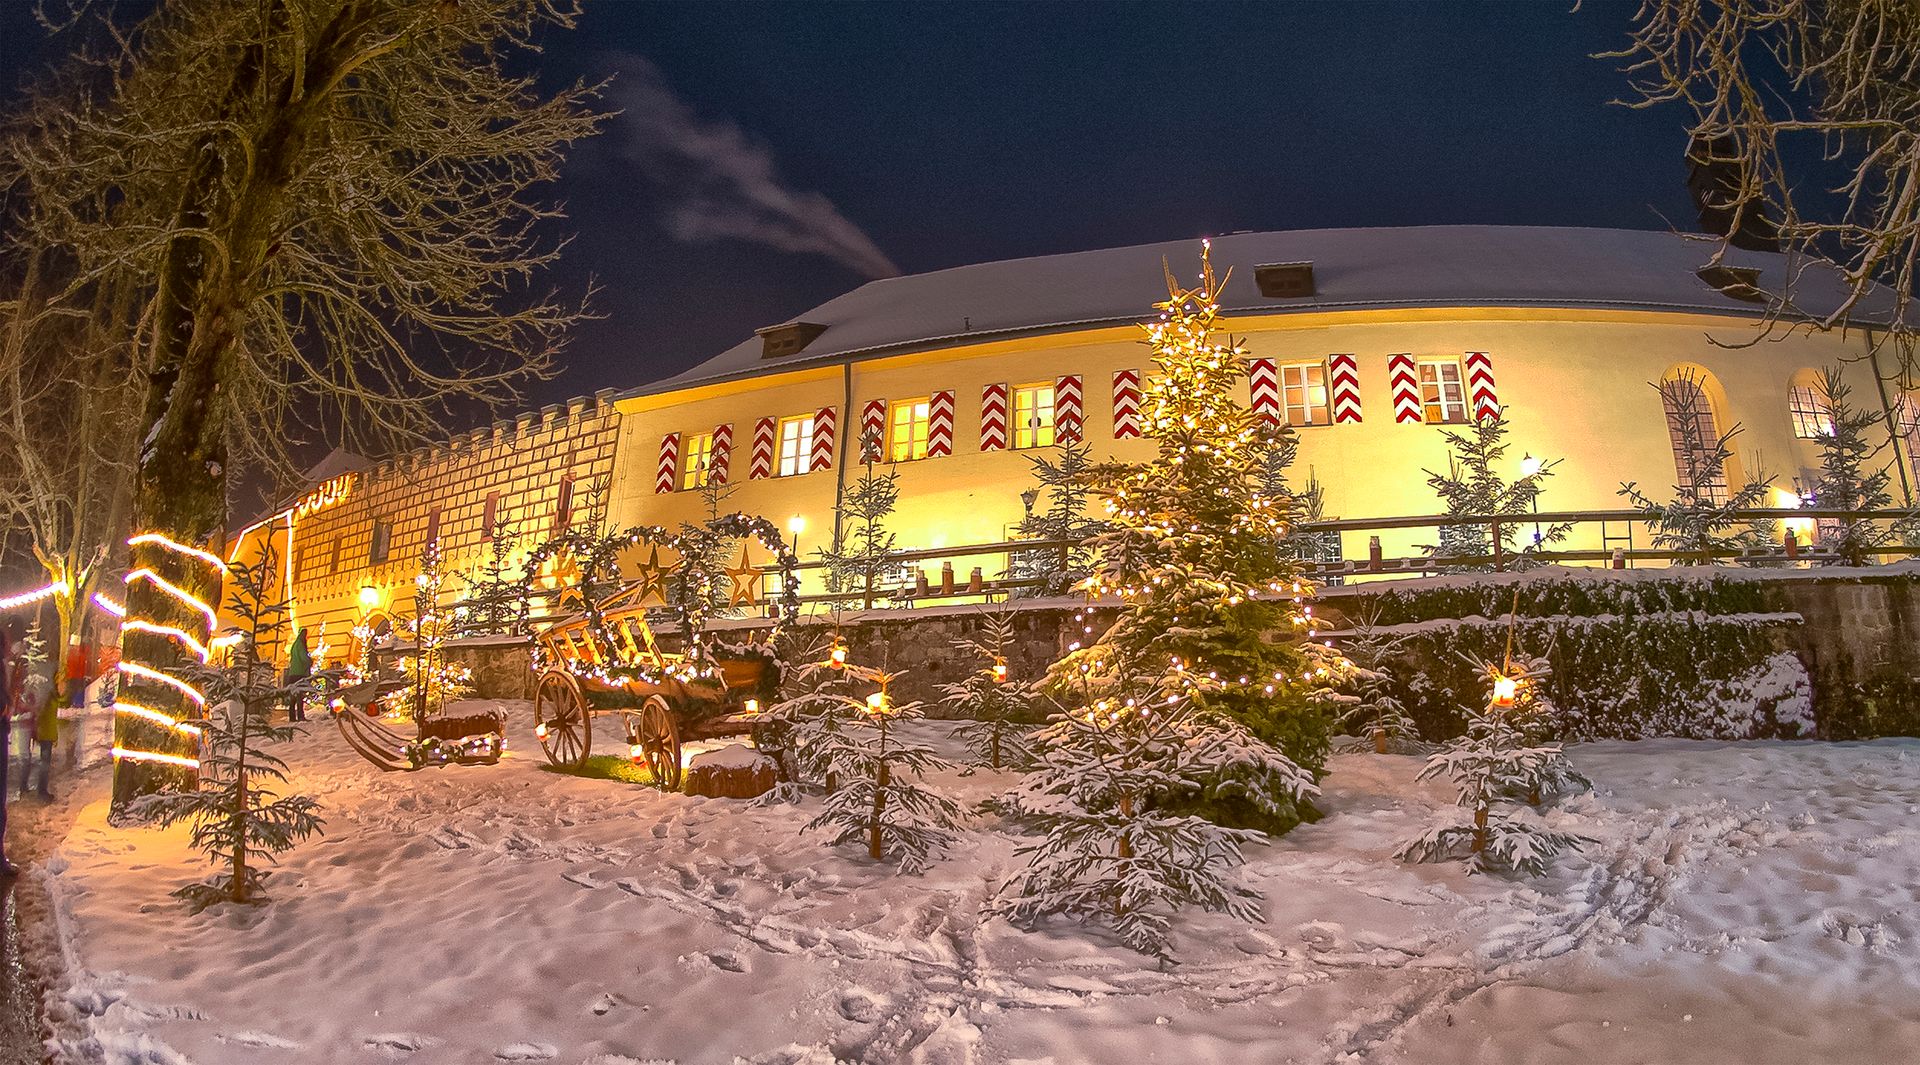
<point x="1069" y="409"/>
<point x="873" y="430"/>
<point x="669" y="463"/>
<point x="760" y="463"/>
<point x="823" y="423"/>
<point x="1404" y="380"/>
<point x="1126" y="404"/>
<point x="1486" y="403"/>
<point x="940" y="425"/>
<point x="1343" y="373"/>
<point x="1263" y="387"/>
<point x="722" y="456"/>
<point x="993" y="417"/>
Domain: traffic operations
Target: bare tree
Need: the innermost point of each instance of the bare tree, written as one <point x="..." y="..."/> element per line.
<point x="1812" y="110"/>
<point x="332" y="210"/>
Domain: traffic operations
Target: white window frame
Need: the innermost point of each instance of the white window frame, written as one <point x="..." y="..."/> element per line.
<point x="1298" y="389"/>
<point x="696" y="461"/>
<point x="1033" y="411"/>
<point x="915" y="417"/>
<point x="1435" y="375"/>
<point x="796" y="446"/>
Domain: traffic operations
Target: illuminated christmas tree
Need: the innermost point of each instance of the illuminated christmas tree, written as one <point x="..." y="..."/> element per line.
<point x="881" y="799"/>
<point x="998" y="708"/>
<point x="432" y="680"/>
<point x="1191" y="551"/>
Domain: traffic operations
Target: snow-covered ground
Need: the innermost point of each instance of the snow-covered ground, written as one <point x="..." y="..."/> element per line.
<point x="1743" y="902"/>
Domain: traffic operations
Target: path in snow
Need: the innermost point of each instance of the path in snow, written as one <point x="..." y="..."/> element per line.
<point x="507" y="914"/>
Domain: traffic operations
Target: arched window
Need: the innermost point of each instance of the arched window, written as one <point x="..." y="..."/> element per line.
<point x="1807" y="406"/>
<point x="1699" y="451"/>
<point x="1906" y="420"/>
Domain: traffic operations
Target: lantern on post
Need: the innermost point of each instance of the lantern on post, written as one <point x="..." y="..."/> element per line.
<point x="1505" y="691"/>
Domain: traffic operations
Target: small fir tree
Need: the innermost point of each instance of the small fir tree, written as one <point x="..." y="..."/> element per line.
<point x="1056" y="508"/>
<point x="809" y="723"/>
<point x="881" y="798"/>
<point x="1846" y="483"/>
<point x="998" y="708"/>
<point x="1488" y="765"/>
<point x="1191" y="554"/>
<point x="432" y="680"/>
<point x="1703" y="518"/>
<point x="1115" y="849"/>
<point x="1538" y="721"/>
<point x="1473" y="486"/>
<point x="239" y="821"/>
<point x="1370" y="710"/>
<point x="495" y="603"/>
<point x="861" y="557"/>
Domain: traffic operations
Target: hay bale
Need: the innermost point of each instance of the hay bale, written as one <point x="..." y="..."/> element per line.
<point x="735" y="771"/>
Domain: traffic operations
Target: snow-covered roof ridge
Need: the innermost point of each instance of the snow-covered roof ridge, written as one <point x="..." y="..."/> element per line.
<point x="1353" y="269"/>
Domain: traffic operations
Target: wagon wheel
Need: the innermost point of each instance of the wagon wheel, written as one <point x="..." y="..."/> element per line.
<point x="561" y="720"/>
<point x="660" y="742"/>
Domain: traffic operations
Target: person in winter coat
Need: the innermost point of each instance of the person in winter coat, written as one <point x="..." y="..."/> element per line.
<point x="299" y="668"/>
<point x="10" y="672"/>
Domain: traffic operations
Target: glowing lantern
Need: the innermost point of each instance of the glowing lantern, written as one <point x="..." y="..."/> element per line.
<point x="540" y="731"/>
<point x="999" y="671"/>
<point x="877" y="703"/>
<point x="639" y="753"/>
<point x="839" y="657"/>
<point x="753" y="706"/>
<point x="1504" y="690"/>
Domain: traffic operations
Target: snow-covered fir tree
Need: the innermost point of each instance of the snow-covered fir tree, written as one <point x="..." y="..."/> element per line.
<point x="880" y="797"/>
<point x="1190" y="550"/>
<point x="820" y="696"/>
<point x="1538" y="721"/>
<point x="1130" y="738"/>
<point x="998" y="708"/>
<point x="1703" y="516"/>
<point x="1848" y="483"/>
<point x="1369" y="709"/>
<point x="432" y="681"/>
<point x="238" y="818"/>
<point x="1473" y="486"/>
<point x="1056" y="508"/>
<point x="495" y="599"/>
<point x="1488" y="766"/>
<point x="861" y="557"/>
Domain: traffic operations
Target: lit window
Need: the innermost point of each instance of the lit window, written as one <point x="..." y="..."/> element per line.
<point x="907" y="430"/>
<point x="796" y="445"/>
<point x="696" y="460"/>
<point x="1440" y="392"/>
<point x="1810" y="416"/>
<point x="1695" y="436"/>
<point x="1303" y="393"/>
<point x="1033" y="416"/>
<point x="378" y="543"/>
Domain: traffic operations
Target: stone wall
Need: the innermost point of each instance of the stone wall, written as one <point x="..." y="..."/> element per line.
<point x="1861" y="630"/>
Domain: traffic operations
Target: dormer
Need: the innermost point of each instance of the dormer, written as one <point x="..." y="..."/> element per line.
<point x="778" y="341"/>
<point x="1284" y="280"/>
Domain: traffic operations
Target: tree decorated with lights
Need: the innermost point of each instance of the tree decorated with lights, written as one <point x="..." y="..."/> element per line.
<point x="1846" y="480"/>
<point x="1117" y="772"/>
<point x="881" y="798"/>
<point x="432" y="680"/>
<point x="1473" y="486"/>
<point x="1490" y="766"/>
<point x="238" y="821"/>
<point x="998" y="708"/>
<point x="1190" y="550"/>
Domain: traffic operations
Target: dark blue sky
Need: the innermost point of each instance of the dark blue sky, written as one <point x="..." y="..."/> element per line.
<point x="931" y="136"/>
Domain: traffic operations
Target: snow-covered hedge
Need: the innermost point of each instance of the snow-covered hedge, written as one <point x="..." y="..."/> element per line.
<point x="1692" y="656"/>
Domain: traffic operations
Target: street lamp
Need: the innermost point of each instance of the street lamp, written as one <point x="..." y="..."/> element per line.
<point x="1531" y="467"/>
<point x="369" y="598"/>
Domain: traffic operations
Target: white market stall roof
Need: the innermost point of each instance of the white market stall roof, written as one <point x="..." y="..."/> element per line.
<point x="1411" y="266"/>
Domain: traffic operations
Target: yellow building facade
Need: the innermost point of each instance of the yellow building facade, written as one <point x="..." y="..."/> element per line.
<point x="1371" y="343"/>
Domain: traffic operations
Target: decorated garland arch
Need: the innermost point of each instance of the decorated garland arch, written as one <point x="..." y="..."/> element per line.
<point x="584" y="567"/>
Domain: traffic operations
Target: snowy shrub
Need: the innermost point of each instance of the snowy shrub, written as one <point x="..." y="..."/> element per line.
<point x="1494" y="762"/>
<point x="879" y="798"/>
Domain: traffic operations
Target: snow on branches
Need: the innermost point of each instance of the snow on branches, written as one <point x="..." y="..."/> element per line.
<point x="1496" y="761"/>
<point x="998" y="708"/>
<point x="879" y="797"/>
<point x="1118" y="772"/>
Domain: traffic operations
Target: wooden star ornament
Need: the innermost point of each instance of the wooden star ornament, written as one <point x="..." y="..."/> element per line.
<point x="746" y="581"/>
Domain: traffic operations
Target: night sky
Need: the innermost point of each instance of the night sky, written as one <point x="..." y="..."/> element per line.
<point x="773" y="156"/>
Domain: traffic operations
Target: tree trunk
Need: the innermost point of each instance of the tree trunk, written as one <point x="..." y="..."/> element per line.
<point x="880" y="781"/>
<point x="1379" y="740"/>
<point x="1479" y="828"/>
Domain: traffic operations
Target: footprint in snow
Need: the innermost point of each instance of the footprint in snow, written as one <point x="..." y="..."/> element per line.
<point x="263" y="1040"/>
<point x="860" y="1005"/>
<point x="527" y="1052"/>
<point x="728" y="960"/>
<point x="603" y="1005"/>
<point x="400" y="1042"/>
<point x="585" y="880"/>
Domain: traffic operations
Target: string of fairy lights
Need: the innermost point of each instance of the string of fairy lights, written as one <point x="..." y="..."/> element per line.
<point x="132" y="668"/>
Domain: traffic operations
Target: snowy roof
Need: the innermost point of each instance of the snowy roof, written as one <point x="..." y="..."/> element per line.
<point x="1413" y="266"/>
